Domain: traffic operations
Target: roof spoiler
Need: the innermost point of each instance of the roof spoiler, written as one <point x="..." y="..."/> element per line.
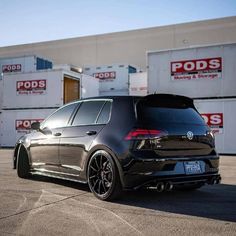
<point x="168" y="100"/>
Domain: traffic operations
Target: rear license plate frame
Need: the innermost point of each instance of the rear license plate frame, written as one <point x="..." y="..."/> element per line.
<point x="192" y="167"/>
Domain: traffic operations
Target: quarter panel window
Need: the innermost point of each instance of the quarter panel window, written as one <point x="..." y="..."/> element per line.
<point x="88" y="113"/>
<point x="105" y="114"/>
<point x="60" y="118"/>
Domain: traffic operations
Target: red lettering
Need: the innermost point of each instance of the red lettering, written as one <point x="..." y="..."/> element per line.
<point x="11" y="68"/>
<point x="105" y="75"/>
<point x="189" y="66"/>
<point x="216" y="119"/>
<point x="205" y="117"/>
<point x="201" y="65"/>
<point x="26" y="123"/>
<point x="213" y="119"/>
<point x="19" y="85"/>
<point x="31" y="85"/>
<point x="42" y="84"/>
<point x="175" y="66"/>
<point x="196" y="65"/>
<point x="215" y="63"/>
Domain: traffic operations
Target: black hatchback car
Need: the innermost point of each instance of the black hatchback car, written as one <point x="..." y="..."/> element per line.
<point x="158" y="141"/>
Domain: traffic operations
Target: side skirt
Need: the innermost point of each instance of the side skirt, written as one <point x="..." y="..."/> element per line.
<point x="57" y="175"/>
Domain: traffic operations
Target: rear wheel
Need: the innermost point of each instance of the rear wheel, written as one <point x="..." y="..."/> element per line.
<point x="103" y="176"/>
<point x="23" y="166"/>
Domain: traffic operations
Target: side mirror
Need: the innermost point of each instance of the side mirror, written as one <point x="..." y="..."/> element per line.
<point x="46" y="131"/>
<point x="35" y="125"/>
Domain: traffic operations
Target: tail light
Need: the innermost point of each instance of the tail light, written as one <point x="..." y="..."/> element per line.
<point x="140" y="134"/>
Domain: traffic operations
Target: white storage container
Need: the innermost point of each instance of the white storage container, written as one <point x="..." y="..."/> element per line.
<point x="15" y="123"/>
<point x="89" y="86"/>
<point x="123" y="92"/>
<point x="0" y="127"/>
<point x="46" y="89"/>
<point x="111" y="77"/>
<point x="138" y="84"/>
<point x="1" y="93"/>
<point x="207" y="71"/>
<point x="220" y="115"/>
<point x="23" y="64"/>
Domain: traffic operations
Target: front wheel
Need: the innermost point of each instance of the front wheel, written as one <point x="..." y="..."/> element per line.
<point x="23" y="166"/>
<point x="103" y="176"/>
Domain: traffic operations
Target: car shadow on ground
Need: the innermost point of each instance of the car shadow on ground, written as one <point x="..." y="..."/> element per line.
<point x="61" y="182"/>
<point x="213" y="202"/>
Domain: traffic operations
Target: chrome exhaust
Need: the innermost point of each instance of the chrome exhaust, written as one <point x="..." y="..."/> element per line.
<point x="214" y="180"/>
<point x="160" y="187"/>
<point x="218" y="180"/>
<point x="169" y="186"/>
<point x="211" y="181"/>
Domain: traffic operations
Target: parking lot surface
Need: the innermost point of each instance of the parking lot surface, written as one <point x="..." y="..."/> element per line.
<point x="43" y="206"/>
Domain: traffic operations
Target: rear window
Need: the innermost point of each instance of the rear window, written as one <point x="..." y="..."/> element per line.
<point x="153" y="112"/>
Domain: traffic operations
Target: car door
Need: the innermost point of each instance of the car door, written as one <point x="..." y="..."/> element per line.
<point x="77" y="138"/>
<point x="44" y="147"/>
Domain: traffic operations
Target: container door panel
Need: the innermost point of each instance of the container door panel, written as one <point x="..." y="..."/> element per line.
<point x="71" y="90"/>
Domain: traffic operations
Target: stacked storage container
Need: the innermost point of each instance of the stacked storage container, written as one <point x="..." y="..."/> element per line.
<point x="206" y="74"/>
<point x="16" y="123"/>
<point x="24" y="64"/>
<point x="138" y="84"/>
<point x="31" y="96"/>
<point x="113" y="79"/>
<point x="21" y="64"/>
<point x="220" y="115"/>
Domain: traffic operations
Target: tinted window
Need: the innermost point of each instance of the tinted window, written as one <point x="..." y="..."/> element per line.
<point x="105" y="114"/>
<point x="87" y="113"/>
<point x="60" y="118"/>
<point x="171" y="112"/>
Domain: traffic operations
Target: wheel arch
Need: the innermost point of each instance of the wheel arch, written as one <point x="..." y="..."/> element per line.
<point x="18" y="147"/>
<point x="15" y="155"/>
<point x="113" y="155"/>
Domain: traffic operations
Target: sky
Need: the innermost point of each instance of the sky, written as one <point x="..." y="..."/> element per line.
<point x="29" y="21"/>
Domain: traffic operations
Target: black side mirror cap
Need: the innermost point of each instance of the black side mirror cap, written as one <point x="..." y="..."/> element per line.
<point x="35" y="125"/>
<point x="46" y="131"/>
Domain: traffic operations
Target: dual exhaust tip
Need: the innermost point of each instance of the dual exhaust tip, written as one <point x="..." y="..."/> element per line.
<point x="215" y="180"/>
<point x="161" y="186"/>
<point x="168" y="186"/>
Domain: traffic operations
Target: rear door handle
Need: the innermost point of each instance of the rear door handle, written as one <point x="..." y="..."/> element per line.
<point x="57" y="134"/>
<point x="91" y="132"/>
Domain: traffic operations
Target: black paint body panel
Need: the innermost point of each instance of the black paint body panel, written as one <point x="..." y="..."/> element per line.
<point x="67" y="153"/>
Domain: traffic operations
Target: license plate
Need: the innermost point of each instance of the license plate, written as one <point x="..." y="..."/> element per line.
<point x="192" y="167"/>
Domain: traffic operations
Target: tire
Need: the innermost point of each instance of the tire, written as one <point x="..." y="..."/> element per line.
<point x="23" y="166"/>
<point x="189" y="187"/>
<point x="103" y="177"/>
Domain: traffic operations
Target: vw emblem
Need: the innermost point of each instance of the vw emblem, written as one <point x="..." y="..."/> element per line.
<point x="190" y="135"/>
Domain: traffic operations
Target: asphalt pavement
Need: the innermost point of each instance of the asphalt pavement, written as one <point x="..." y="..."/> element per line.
<point x="44" y="206"/>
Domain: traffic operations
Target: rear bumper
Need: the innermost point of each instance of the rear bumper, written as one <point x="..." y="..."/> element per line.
<point x="140" y="172"/>
<point x="183" y="180"/>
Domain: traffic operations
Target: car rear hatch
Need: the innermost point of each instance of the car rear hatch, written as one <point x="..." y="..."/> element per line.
<point x="171" y="126"/>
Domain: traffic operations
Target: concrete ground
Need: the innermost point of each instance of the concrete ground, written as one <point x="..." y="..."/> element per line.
<point x="43" y="206"/>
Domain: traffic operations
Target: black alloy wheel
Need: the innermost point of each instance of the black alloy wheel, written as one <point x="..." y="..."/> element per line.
<point x="103" y="177"/>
